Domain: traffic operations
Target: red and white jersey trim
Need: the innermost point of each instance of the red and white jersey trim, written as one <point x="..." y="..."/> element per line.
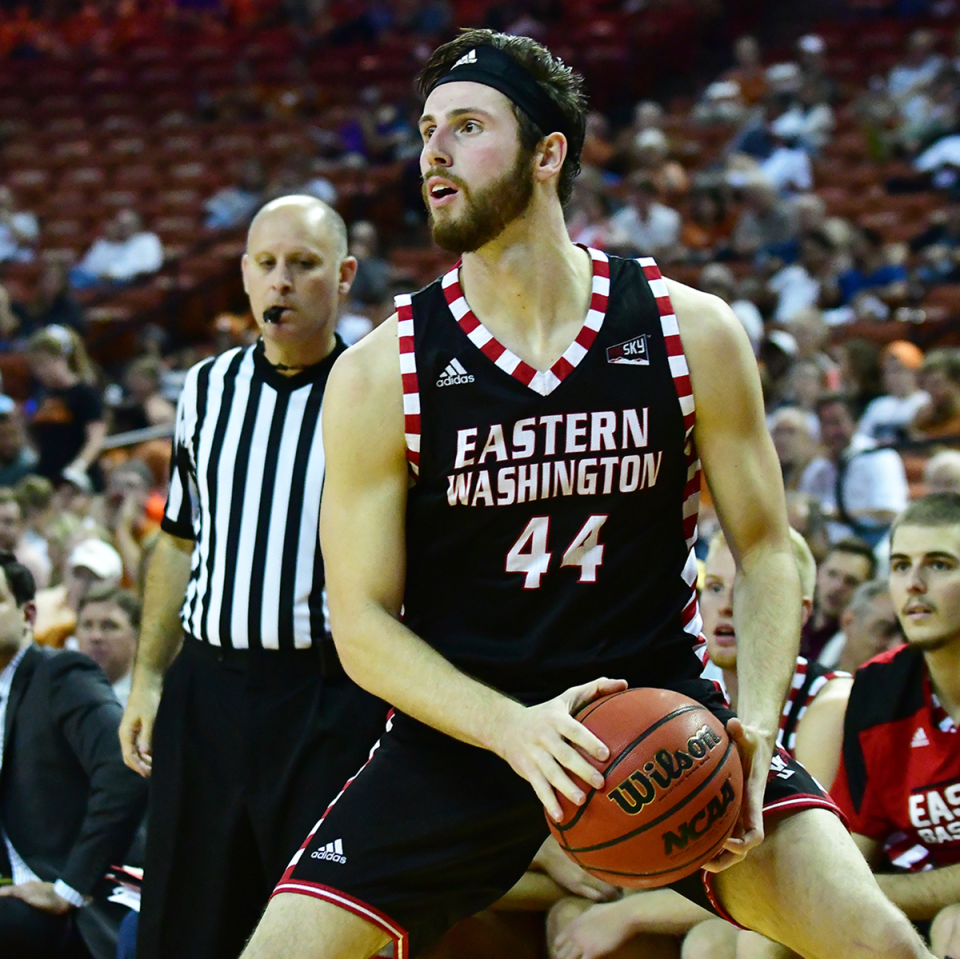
<point x="692" y="623"/>
<point x="542" y="382"/>
<point x="408" y="373"/>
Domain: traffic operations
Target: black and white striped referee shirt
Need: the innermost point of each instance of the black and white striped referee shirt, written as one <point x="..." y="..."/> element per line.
<point x="246" y="478"/>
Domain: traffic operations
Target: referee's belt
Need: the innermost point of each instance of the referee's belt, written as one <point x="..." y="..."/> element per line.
<point x="321" y="657"/>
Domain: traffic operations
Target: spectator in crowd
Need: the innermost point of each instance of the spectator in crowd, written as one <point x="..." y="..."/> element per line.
<point x="68" y="806"/>
<point x="868" y="627"/>
<point x="919" y="66"/>
<point x="235" y="205"/>
<point x="19" y="230"/>
<point x="803" y="285"/>
<point x="51" y="302"/>
<point x="765" y="223"/>
<point x="806" y="517"/>
<point x="942" y="472"/>
<point x="788" y="168"/>
<point x="722" y="105"/>
<point x="644" y="924"/>
<point x="67" y="423"/>
<point x="811" y="50"/>
<point x="899" y="778"/>
<point x="91" y="563"/>
<point x="709" y="223"/>
<point x="125" y="251"/>
<point x="122" y="511"/>
<point x="861" y="488"/>
<point x="36" y="498"/>
<point x="887" y="418"/>
<point x="598" y="149"/>
<point x="940" y="378"/>
<point x="12" y="527"/>
<point x="374" y="273"/>
<point x="17" y="459"/>
<point x="748" y="73"/>
<point x="871" y="269"/>
<point x="812" y="335"/>
<point x="861" y="377"/>
<point x="929" y="113"/>
<point x="943" y="229"/>
<point x="718" y="279"/>
<point x="806" y="383"/>
<point x="808" y="121"/>
<point x="144" y="404"/>
<point x="589" y="220"/>
<point x="108" y="623"/>
<point x="650" y="155"/>
<point x="848" y="563"/>
<point x="650" y="227"/>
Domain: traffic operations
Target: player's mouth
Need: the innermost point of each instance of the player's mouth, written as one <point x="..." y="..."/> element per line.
<point x="916" y="611"/>
<point x="724" y="635"/>
<point x="440" y="192"/>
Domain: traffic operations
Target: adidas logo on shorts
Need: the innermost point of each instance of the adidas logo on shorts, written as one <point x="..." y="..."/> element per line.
<point x="454" y="375"/>
<point x="332" y="851"/>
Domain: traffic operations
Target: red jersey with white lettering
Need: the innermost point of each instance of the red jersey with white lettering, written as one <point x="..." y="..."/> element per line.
<point x="551" y="524"/>
<point x="899" y="778"/>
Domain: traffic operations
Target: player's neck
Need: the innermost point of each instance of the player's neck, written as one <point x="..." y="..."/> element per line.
<point x="529" y="285"/>
<point x="731" y="686"/>
<point x="944" y="667"/>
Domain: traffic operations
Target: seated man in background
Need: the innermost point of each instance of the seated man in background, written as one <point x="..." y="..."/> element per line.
<point x="108" y="624"/>
<point x="868" y="627"/>
<point x="847" y="564"/>
<point x="644" y="925"/>
<point x="942" y="472"/>
<point x="68" y="805"/>
<point x="124" y="252"/>
<point x="899" y="778"/>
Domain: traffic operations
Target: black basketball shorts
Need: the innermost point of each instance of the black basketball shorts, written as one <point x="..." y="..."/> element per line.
<point x="432" y="830"/>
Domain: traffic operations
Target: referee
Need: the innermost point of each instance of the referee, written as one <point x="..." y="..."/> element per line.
<point x="257" y="725"/>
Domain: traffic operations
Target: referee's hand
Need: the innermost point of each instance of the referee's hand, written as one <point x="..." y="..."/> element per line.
<point x="539" y="743"/>
<point x="136" y="727"/>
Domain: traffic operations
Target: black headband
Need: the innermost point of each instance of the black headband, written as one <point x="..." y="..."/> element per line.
<point x="494" y="68"/>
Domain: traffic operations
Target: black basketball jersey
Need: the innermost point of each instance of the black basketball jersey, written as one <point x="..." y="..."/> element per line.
<point x="551" y="524"/>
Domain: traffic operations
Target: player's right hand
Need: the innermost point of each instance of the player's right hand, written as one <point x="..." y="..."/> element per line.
<point x="538" y="742"/>
<point x="136" y="727"/>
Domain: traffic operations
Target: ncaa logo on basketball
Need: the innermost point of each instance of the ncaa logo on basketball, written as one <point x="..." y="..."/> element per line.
<point x="630" y="353"/>
<point x="700" y="823"/>
<point x="640" y="789"/>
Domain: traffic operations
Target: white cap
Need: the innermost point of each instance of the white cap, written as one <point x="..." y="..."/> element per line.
<point x="812" y="43"/>
<point x="723" y="90"/>
<point x="99" y="557"/>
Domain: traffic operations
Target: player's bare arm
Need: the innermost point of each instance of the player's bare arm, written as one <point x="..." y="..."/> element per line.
<point x="160" y="637"/>
<point x="820" y="732"/>
<point x="741" y="468"/>
<point x="364" y="501"/>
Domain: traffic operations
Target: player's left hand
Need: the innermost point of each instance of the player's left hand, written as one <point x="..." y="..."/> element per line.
<point x="40" y="895"/>
<point x="756" y="752"/>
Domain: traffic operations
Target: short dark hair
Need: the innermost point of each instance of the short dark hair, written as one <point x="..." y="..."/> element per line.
<point x="19" y="578"/>
<point x="856" y="547"/>
<point x="124" y="598"/>
<point x="563" y="85"/>
<point x="829" y="399"/>
<point x="935" y="509"/>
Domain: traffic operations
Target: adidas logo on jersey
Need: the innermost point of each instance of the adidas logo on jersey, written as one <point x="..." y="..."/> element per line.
<point x="631" y="352"/>
<point x="470" y="57"/>
<point x="332" y="851"/>
<point x="919" y="738"/>
<point x="454" y="375"/>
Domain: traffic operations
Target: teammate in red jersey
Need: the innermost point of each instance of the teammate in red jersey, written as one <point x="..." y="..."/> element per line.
<point x="509" y="508"/>
<point x="899" y="779"/>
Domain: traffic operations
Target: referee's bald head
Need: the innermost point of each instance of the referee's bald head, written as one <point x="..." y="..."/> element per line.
<point x="313" y="213"/>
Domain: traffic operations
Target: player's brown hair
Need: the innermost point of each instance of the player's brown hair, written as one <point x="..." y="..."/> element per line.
<point x="563" y="85"/>
<point x="936" y="509"/>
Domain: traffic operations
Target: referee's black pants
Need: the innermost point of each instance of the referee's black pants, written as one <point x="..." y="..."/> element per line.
<point x="249" y="748"/>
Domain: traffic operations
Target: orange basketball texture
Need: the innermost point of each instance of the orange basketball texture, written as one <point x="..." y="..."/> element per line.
<point x="671" y="794"/>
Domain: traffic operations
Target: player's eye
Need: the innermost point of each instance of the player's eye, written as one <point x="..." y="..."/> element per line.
<point x="471" y="126"/>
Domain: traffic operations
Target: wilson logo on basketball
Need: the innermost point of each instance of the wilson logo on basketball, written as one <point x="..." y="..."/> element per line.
<point x="700" y="823"/>
<point x="640" y="789"/>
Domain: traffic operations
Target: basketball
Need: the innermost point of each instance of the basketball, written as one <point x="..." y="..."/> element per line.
<point x="671" y="794"/>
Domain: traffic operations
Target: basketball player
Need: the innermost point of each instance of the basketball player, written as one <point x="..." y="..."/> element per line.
<point x="899" y="779"/>
<point x="811" y="729"/>
<point x="513" y="462"/>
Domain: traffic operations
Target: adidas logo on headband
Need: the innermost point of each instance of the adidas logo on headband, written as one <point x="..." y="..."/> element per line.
<point x="470" y="57"/>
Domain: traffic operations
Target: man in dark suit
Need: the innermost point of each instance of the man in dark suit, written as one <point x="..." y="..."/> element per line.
<point x="68" y="805"/>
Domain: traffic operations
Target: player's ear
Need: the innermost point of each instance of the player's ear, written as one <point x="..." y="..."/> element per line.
<point x="807" y="610"/>
<point x="348" y="271"/>
<point x="244" y="264"/>
<point x="551" y="152"/>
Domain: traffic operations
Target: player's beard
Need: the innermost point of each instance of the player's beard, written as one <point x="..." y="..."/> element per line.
<point x="488" y="211"/>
